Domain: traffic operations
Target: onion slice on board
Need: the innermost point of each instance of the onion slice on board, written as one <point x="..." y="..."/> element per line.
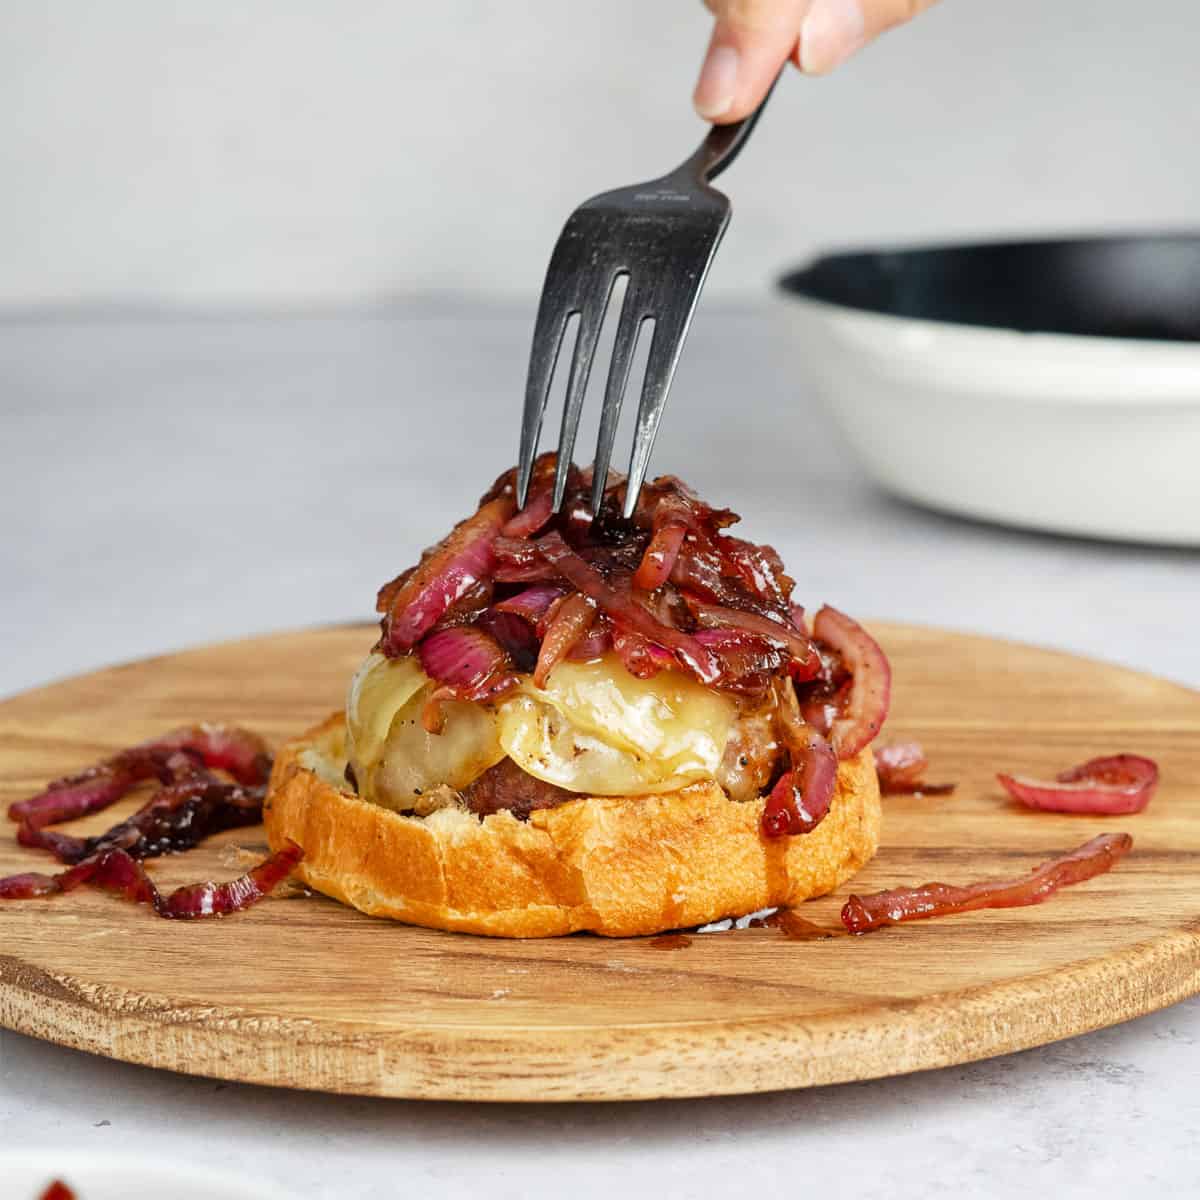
<point x="242" y="753"/>
<point x="900" y="768"/>
<point x="117" y="871"/>
<point x="1118" y="783"/>
<point x="861" y="914"/>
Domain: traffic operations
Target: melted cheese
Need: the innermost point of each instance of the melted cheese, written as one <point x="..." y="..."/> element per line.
<point x="379" y="689"/>
<point x="593" y="729"/>
<point x="415" y="761"/>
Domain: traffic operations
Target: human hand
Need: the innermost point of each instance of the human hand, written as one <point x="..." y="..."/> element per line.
<point x="752" y="39"/>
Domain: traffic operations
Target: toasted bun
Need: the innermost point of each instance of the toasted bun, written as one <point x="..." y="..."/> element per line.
<point x="615" y="865"/>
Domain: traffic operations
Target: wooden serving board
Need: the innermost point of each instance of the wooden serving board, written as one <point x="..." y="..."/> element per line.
<point x="305" y="993"/>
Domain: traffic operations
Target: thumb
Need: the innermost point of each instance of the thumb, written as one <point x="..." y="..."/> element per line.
<point x="751" y="40"/>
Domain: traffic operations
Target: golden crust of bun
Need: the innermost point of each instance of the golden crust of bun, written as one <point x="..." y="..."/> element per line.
<point x="615" y="865"/>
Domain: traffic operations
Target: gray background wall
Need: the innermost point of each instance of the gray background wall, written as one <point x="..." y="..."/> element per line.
<point x="311" y="152"/>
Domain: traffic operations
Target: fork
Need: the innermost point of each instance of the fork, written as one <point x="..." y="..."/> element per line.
<point x="662" y="237"/>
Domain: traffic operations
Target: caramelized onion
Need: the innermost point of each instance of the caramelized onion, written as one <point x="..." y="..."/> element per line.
<point x="178" y="817"/>
<point x="243" y="754"/>
<point x="456" y="565"/>
<point x="596" y="642"/>
<point x="625" y="612"/>
<point x="221" y="747"/>
<point x="531" y="603"/>
<point x="864" y="913"/>
<point x="468" y="661"/>
<point x="217" y="899"/>
<point x="804" y="662"/>
<point x="517" y="637"/>
<point x="571" y="620"/>
<point x="867" y="702"/>
<point x="660" y="555"/>
<point x="901" y="768"/>
<point x="1118" y="783"/>
<point x="653" y="580"/>
<point x="801" y="797"/>
<point x="118" y="871"/>
<point x="748" y="662"/>
<point x="532" y="517"/>
<point x="640" y="657"/>
<point x="193" y="804"/>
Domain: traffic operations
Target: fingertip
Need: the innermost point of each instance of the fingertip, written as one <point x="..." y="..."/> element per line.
<point x="751" y="41"/>
<point x="737" y="74"/>
<point x="717" y="88"/>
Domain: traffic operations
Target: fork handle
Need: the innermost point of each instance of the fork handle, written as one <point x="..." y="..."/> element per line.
<point x="723" y="144"/>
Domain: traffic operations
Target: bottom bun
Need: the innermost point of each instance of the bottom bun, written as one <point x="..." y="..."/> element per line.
<point x="615" y="865"/>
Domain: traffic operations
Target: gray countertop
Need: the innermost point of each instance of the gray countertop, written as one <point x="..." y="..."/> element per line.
<point x="171" y="481"/>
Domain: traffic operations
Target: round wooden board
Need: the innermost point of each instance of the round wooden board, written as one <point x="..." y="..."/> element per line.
<point x="305" y="993"/>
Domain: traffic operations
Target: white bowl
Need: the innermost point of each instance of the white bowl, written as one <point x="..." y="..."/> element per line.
<point x="1058" y="430"/>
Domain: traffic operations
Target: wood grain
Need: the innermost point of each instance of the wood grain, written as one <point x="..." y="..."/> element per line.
<point x="305" y="993"/>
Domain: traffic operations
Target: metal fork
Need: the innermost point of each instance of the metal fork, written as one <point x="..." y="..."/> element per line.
<point x="661" y="235"/>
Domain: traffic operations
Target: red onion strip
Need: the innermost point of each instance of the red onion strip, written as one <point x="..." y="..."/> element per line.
<point x="805" y="660"/>
<point x="468" y="661"/>
<point x="660" y="555"/>
<point x="177" y="817"/>
<point x="531" y="603"/>
<point x="800" y="799"/>
<point x="748" y="662"/>
<point x="570" y="622"/>
<point x="594" y="644"/>
<point x="1118" y="783"/>
<point x="870" y="692"/>
<point x="864" y="913"/>
<point x="460" y="562"/>
<point x="222" y="747"/>
<point x="117" y="871"/>
<point x="641" y="658"/>
<point x="532" y="517"/>
<point x="622" y="609"/>
<point x="243" y="754"/>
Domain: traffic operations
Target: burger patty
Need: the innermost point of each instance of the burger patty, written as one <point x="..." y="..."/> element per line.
<point x="745" y="773"/>
<point x="506" y="786"/>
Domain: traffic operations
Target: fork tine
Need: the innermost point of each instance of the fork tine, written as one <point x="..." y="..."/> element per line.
<point x="614" y="393"/>
<point x="591" y="318"/>
<point x="547" y="341"/>
<point x="660" y="370"/>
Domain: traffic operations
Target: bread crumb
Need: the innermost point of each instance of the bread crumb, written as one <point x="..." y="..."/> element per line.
<point x="500" y="993"/>
<point x="242" y="858"/>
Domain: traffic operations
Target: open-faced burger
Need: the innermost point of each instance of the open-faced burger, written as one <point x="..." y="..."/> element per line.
<point x="597" y="724"/>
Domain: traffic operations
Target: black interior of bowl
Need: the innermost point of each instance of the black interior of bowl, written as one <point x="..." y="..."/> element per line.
<point x="1128" y="287"/>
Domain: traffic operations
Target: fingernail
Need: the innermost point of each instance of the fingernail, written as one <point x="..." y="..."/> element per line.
<point x="717" y="85"/>
<point x="831" y="32"/>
